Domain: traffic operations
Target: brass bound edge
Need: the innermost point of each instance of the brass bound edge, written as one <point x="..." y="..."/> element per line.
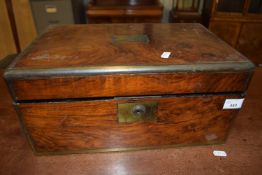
<point x="100" y="70"/>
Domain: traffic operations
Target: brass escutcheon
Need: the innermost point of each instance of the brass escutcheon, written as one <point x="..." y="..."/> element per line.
<point x="137" y="112"/>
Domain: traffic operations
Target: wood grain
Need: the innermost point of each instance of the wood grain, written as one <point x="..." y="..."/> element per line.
<point x="92" y="45"/>
<point x="71" y="118"/>
<point x="7" y="44"/>
<point x="129" y="85"/>
<point x="77" y="126"/>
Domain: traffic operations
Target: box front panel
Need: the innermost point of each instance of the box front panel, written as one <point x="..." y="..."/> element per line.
<point x="80" y="126"/>
<point x="116" y="85"/>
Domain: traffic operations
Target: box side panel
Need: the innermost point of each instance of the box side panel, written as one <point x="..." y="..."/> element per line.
<point x="65" y="127"/>
<point x="128" y="85"/>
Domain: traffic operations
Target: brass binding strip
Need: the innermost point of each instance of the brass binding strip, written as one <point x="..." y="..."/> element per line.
<point x="100" y="70"/>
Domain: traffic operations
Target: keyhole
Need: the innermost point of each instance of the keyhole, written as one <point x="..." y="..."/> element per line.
<point x="139" y="110"/>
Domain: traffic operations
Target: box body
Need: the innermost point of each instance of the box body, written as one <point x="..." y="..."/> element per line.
<point x="112" y="91"/>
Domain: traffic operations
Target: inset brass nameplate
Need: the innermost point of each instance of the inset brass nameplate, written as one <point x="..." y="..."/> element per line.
<point x="120" y="39"/>
<point x="137" y="112"/>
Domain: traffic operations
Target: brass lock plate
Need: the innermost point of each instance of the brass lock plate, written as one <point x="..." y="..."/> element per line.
<point x="137" y="112"/>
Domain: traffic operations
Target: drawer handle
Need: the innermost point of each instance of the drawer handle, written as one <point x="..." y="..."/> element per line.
<point x="139" y="110"/>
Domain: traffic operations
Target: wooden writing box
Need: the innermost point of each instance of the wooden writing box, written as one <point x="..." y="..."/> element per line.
<point x="84" y="88"/>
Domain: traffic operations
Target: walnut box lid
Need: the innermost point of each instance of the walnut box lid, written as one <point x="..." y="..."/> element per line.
<point x="119" y="48"/>
<point x="109" y="60"/>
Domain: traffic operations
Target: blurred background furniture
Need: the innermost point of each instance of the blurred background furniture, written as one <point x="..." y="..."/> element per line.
<point x="7" y="44"/>
<point x="124" y="11"/>
<point x="17" y="26"/>
<point x="22" y="20"/>
<point x="55" y="12"/>
<point x="186" y="11"/>
<point x="239" y="23"/>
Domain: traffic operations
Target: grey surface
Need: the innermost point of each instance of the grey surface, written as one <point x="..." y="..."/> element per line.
<point x="64" y="14"/>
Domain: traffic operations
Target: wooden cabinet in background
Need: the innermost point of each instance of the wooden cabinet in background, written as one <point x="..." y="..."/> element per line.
<point x="186" y="11"/>
<point x="250" y="41"/>
<point x="239" y="23"/>
<point x="7" y="44"/>
<point x="24" y="22"/>
<point x="226" y="30"/>
<point x="128" y="11"/>
<point x="17" y="28"/>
